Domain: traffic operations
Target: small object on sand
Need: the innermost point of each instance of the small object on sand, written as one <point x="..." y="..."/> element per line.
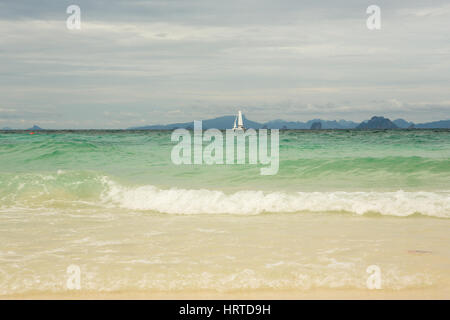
<point x="419" y="252"/>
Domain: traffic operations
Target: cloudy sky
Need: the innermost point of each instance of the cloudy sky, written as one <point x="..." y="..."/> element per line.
<point x="147" y="62"/>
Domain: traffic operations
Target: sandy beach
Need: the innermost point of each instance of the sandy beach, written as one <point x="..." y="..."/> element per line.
<point x="426" y="294"/>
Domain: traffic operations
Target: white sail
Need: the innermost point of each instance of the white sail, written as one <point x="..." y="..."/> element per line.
<point x="240" y="122"/>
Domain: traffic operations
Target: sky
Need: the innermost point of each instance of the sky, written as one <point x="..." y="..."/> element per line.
<point x="135" y="62"/>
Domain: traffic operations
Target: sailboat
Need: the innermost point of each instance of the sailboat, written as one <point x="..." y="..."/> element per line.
<point x="240" y="123"/>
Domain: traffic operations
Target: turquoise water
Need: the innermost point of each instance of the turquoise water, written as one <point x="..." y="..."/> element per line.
<point x="113" y="204"/>
<point x="387" y="172"/>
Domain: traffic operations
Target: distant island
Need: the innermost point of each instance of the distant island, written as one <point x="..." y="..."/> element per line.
<point x="226" y="122"/>
<point x="376" y="122"/>
<point x="35" y="128"/>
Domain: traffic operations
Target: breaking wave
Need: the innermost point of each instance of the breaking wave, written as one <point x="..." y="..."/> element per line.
<point x="85" y="189"/>
<point x="183" y="201"/>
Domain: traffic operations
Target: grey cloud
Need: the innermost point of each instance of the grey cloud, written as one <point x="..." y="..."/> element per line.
<point x="167" y="61"/>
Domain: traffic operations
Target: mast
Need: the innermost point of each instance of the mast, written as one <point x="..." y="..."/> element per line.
<point x="240" y="122"/>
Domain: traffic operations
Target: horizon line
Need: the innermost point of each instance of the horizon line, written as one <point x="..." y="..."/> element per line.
<point x="6" y="128"/>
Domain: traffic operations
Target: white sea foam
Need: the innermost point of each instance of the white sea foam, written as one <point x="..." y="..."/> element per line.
<point x="190" y="201"/>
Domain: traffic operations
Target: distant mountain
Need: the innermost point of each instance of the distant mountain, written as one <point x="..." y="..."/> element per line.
<point x="226" y="122"/>
<point x="316" y="126"/>
<point x="280" y="124"/>
<point x="443" y="124"/>
<point x="326" y="124"/>
<point x="377" y="123"/>
<point x="6" y="128"/>
<point x="401" y="123"/>
<point x="35" y="127"/>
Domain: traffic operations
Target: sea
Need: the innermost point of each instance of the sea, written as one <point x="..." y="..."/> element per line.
<point x="97" y="211"/>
